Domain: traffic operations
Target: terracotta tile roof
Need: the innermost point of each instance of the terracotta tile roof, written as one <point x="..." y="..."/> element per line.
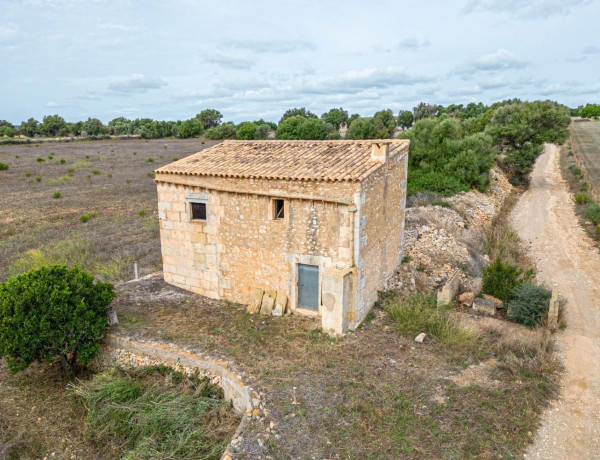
<point x="339" y="160"/>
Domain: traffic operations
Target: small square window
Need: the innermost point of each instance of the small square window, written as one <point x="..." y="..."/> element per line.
<point x="278" y="209"/>
<point x="198" y="211"/>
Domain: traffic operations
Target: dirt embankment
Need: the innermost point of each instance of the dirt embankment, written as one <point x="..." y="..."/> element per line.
<point x="448" y="235"/>
<point x="545" y="219"/>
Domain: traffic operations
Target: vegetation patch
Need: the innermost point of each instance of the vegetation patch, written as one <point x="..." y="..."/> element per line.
<point x="157" y="413"/>
<point x="3" y="166"/>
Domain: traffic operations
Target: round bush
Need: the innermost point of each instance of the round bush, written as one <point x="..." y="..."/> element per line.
<point x="52" y="312"/>
<point x="528" y="304"/>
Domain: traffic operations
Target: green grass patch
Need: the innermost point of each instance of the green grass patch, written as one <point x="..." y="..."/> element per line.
<point x="95" y="171"/>
<point x="40" y="160"/>
<point x="86" y="217"/>
<point x="156" y="413"/>
<point x="3" y="166"/>
<point x="60" y="180"/>
<point x="56" y="195"/>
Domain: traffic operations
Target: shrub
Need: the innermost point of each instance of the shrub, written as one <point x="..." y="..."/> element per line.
<point x="582" y="199"/>
<point x="500" y="279"/>
<point x="27" y="174"/>
<point x="52" y="312"/>
<point x="85" y="217"/>
<point x="50" y="157"/>
<point x="575" y="170"/>
<point x="175" y="159"/>
<point x="62" y="161"/>
<point x="593" y="212"/>
<point x="528" y="304"/>
<point x="150" y="160"/>
<point x="151" y="174"/>
<point x="95" y="171"/>
<point x="142" y="213"/>
<point x="109" y="175"/>
<point x="38" y="179"/>
<point x="56" y="195"/>
<point x="3" y="166"/>
<point x="40" y="160"/>
<point x="598" y="230"/>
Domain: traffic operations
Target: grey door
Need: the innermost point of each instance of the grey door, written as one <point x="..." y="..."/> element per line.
<point x="308" y="286"/>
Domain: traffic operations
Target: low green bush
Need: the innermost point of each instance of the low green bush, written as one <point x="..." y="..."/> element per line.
<point x="3" y="166"/>
<point x="582" y="198"/>
<point x="575" y="170"/>
<point x="528" y="304"/>
<point x="501" y="278"/>
<point x="593" y="212"/>
<point x="40" y="160"/>
<point x="52" y="312"/>
<point x="95" y="171"/>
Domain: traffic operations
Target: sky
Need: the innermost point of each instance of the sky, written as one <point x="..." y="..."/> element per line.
<point x="170" y="59"/>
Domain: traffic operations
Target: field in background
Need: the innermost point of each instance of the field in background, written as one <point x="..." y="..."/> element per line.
<point x="92" y="203"/>
<point x="585" y="138"/>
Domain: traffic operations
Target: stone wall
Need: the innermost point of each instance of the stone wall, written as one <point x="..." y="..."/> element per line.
<point x="382" y="211"/>
<point x="240" y="247"/>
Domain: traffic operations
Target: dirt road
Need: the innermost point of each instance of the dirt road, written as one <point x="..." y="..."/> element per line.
<point x="545" y="219"/>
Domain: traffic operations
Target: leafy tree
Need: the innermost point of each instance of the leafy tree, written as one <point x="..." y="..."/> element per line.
<point x="30" y="127"/>
<point x="209" y="118"/>
<point x="246" y="130"/>
<point x="385" y="124"/>
<point x="295" y="112"/>
<point x="405" y="119"/>
<point x="362" y="128"/>
<point x="190" y="128"/>
<point x="472" y="110"/>
<point x="424" y="110"/>
<point x="52" y="312"/>
<point x="351" y="119"/>
<point x="313" y="128"/>
<point x="7" y="131"/>
<point x="289" y="128"/>
<point x="94" y="127"/>
<point x="443" y="159"/>
<point x="336" y="117"/>
<point x="53" y="125"/>
<point x="120" y="126"/>
<point x="224" y="131"/>
<point x="262" y="131"/>
<point x="590" y="111"/>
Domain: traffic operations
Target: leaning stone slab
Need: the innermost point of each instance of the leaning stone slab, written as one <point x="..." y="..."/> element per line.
<point x="280" y="304"/>
<point x="448" y="292"/>
<point x="255" y="301"/>
<point x="268" y="301"/>
<point x="485" y="306"/>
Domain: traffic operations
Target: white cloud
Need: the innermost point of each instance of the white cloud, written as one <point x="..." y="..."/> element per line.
<point x="229" y="62"/>
<point x="493" y="62"/>
<point x="137" y="83"/>
<point x="52" y="104"/>
<point x="412" y="43"/>
<point x="270" y="46"/>
<point x="525" y="9"/>
<point x="8" y="31"/>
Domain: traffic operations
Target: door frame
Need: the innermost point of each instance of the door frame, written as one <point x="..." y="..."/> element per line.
<point x="318" y="306"/>
<point x="294" y="260"/>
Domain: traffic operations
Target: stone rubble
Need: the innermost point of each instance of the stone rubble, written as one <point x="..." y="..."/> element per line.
<point x="439" y="240"/>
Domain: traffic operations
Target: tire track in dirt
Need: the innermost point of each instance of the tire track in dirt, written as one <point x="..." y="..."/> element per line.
<point x="545" y="219"/>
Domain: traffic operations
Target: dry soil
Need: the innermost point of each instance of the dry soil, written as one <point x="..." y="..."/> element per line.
<point x="565" y="256"/>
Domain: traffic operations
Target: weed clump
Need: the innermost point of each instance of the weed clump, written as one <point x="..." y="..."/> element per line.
<point x="3" y="166"/>
<point x="157" y="413"/>
<point x="593" y="213"/>
<point x="575" y="170"/>
<point x="142" y="213"/>
<point x="528" y="304"/>
<point x="501" y="278"/>
<point x="56" y="195"/>
<point x="95" y="171"/>
<point x="582" y="198"/>
<point x="40" y="160"/>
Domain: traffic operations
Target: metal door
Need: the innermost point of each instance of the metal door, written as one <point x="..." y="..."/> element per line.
<point x="308" y="286"/>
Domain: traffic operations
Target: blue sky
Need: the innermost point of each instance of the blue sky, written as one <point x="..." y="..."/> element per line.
<point x="250" y="60"/>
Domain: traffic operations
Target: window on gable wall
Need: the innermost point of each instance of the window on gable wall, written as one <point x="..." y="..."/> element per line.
<point x="198" y="211"/>
<point x="278" y="208"/>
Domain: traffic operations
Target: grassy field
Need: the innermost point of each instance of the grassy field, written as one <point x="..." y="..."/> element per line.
<point x="373" y="394"/>
<point x="585" y="137"/>
<point x="93" y="203"/>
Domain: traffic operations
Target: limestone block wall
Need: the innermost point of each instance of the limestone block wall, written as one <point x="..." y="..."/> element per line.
<point x="240" y="247"/>
<point x="381" y="229"/>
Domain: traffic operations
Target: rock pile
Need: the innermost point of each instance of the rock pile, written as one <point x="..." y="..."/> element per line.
<point x="449" y="236"/>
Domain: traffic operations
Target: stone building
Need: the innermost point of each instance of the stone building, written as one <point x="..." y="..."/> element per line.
<point x="316" y="224"/>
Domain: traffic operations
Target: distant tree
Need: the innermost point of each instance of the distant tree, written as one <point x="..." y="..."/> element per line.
<point x="6" y="123"/>
<point x="362" y="128"/>
<point x="405" y="119"/>
<point x="7" y="131"/>
<point x="246" y="130"/>
<point x="289" y="128"/>
<point x="313" y="128"/>
<point x="385" y="124"/>
<point x="224" y="131"/>
<point x="590" y="111"/>
<point x="29" y="128"/>
<point x="53" y="125"/>
<point x="262" y="131"/>
<point x="473" y="110"/>
<point x="52" y="312"/>
<point x="94" y="127"/>
<point x="334" y="135"/>
<point x="336" y="117"/>
<point x="302" y="112"/>
<point x="120" y="126"/>
<point x="209" y="118"/>
<point x="423" y="110"/>
<point x="351" y="119"/>
<point x="190" y="128"/>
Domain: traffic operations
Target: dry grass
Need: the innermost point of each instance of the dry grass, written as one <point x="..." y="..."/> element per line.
<point x="31" y="220"/>
<point x="374" y="393"/>
<point x="586" y="144"/>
